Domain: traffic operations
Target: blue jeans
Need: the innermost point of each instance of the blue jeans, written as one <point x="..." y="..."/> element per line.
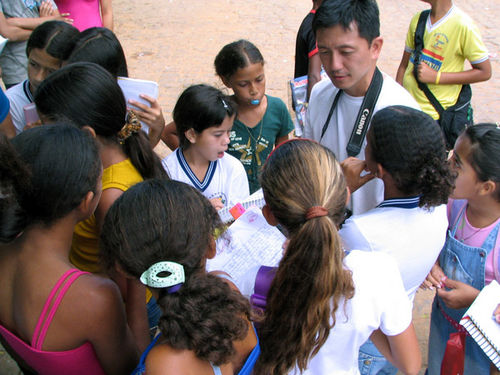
<point x="371" y="361"/>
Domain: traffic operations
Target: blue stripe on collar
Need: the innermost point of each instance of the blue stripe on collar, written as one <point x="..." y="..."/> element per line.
<point x="410" y="202"/>
<point x="27" y="91"/>
<point x="200" y="185"/>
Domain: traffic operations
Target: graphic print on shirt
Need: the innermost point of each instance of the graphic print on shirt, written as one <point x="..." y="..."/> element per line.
<point x="248" y="149"/>
<point x="433" y="57"/>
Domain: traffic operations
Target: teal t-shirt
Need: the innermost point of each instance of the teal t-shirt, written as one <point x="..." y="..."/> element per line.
<point x="253" y="145"/>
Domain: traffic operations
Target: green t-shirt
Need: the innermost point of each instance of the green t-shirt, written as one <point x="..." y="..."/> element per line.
<point x="253" y="145"/>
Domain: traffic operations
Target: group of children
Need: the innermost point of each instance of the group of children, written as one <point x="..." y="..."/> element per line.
<point x="104" y="245"/>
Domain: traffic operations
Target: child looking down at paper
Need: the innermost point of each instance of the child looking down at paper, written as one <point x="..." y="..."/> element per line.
<point x="204" y="327"/>
<point x="204" y="118"/>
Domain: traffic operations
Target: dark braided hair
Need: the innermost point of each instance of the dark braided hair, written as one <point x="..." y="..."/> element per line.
<point x="409" y="144"/>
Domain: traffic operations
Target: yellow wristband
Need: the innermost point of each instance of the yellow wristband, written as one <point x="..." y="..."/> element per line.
<point x="438" y="77"/>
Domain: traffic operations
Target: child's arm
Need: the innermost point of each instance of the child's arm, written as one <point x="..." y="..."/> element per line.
<point x="313" y="73"/>
<point x="459" y="296"/>
<point x="47" y="13"/>
<point x="169" y="136"/>
<point x="401" y="350"/>
<point x="402" y="67"/>
<point x="479" y="72"/>
<point x="107" y="14"/>
<point x="7" y="127"/>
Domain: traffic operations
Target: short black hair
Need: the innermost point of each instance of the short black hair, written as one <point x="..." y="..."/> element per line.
<point x="57" y="38"/>
<point x="364" y="13"/>
<point x="200" y="107"/>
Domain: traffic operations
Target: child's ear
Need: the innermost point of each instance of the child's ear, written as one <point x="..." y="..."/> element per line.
<point x="269" y="216"/>
<point x="90" y="130"/>
<point x="225" y="81"/>
<point x="87" y="204"/>
<point x="380" y="172"/>
<point x="488" y="187"/>
<point x="190" y="135"/>
<point x="211" y="251"/>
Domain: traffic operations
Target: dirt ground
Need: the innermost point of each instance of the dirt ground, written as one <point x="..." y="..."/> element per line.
<point x="174" y="42"/>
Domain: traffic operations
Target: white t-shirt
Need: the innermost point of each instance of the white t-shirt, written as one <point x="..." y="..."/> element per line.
<point x="19" y="96"/>
<point x="379" y="301"/>
<point x="225" y="178"/>
<point x="341" y="124"/>
<point x="414" y="237"/>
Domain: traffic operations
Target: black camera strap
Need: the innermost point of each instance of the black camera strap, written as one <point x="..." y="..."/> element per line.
<point x="364" y="114"/>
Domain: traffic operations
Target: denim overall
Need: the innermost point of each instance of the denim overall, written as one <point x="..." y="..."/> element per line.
<point x="467" y="264"/>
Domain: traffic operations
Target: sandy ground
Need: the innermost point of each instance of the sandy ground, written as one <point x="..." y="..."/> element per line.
<point x="174" y="42"/>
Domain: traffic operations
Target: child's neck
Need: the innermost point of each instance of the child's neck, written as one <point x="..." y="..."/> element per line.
<point x="197" y="163"/>
<point x="111" y="153"/>
<point x="439" y="9"/>
<point x="251" y="115"/>
<point x="483" y="211"/>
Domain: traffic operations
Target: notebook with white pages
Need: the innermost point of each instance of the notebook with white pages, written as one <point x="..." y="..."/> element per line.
<point x="132" y="88"/>
<point x="256" y="199"/>
<point x="480" y="323"/>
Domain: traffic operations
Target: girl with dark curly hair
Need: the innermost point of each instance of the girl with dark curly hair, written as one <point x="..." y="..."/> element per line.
<point x="469" y="260"/>
<point x="406" y="151"/>
<point x="323" y="304"/>
<point x="205" y="324"/>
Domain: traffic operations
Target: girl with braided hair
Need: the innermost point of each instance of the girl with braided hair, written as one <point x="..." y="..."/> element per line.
<point x="205" y="327"/>
<point x="89" y="97"/>
<point x="406" y="150"/>
<point x="323" y="304"/>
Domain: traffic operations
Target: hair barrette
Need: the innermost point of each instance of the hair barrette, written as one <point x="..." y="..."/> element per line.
<point x="226" y="107"/>
<point x="152" y="276"/>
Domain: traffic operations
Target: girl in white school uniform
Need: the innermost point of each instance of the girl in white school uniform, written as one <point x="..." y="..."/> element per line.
<point x="323" y="304"/>
<point x="406" y="150"/>
<point x="204" y="117"/>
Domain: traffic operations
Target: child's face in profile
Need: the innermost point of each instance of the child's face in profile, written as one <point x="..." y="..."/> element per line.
<point x="40" y="65"/>
<point x="212" y="142"/>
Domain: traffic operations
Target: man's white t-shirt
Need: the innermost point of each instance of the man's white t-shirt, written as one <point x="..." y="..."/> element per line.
<point x="225" y="178"/>
<point x="414" y="237"/>
<point x="341" y="125"/>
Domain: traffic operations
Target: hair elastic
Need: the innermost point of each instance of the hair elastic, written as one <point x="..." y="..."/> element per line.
<point x="151" y="276"/>
<point x="316" y="211"/>
<point x="132" y="125"/>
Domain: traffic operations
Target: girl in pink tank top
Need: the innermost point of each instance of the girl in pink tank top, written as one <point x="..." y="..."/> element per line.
<point x="54" y="318"/>
<point x="88" y="13"/>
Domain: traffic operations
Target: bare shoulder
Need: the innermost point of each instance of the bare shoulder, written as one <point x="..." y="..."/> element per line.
<point x="165" y="360"/>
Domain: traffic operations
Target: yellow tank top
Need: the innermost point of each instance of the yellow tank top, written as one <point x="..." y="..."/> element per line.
<point x="84" y="252"/>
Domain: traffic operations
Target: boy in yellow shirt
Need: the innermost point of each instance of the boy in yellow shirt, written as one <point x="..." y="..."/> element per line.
<point x="450" y="38"/>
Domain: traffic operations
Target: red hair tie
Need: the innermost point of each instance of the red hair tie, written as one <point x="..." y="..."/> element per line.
<point x="316" y="211"/>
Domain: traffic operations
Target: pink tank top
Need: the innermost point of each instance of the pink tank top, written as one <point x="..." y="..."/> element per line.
<point x="78" y="361"/>
<point x="85" y="13"/>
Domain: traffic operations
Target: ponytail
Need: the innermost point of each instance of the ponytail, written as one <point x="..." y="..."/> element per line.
<point x="311" y="280"/>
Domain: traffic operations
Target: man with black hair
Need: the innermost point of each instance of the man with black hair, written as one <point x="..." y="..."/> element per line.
<point x="349" y="44"/>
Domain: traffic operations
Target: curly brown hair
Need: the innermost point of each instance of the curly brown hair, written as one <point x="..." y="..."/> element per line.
<point x="311" y="279"/>
<point x="176" y="224"/>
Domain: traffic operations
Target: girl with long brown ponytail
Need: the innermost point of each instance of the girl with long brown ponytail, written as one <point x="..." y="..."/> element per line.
<point x="323" y="304"/>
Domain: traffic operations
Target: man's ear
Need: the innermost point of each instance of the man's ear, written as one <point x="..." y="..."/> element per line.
<point x="90" y="130"/>
<point x="269" y="216"/>
<point x="376" y="47"/>
<point x="190" y="135"/>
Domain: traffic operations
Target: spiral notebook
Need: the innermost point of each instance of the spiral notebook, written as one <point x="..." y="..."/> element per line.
<point x="480" y="323"/>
